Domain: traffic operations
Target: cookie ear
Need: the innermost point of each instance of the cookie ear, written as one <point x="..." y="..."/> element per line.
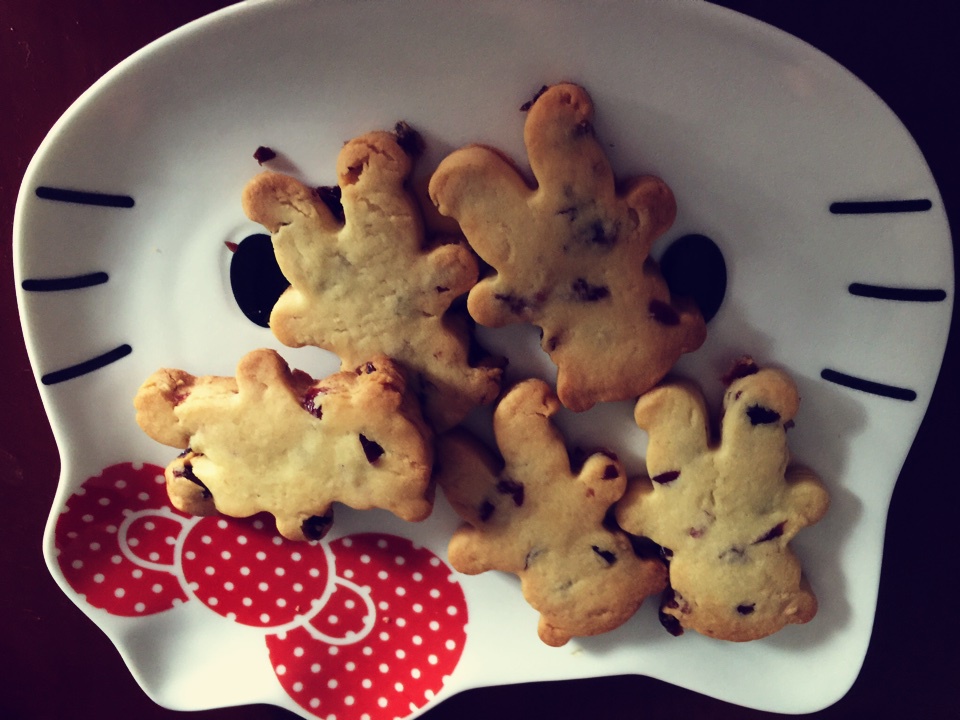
<point x="187" y="492"/>
<point x="756" y="408"/>
<point x="605" y="477"/>
<point x="477" y="186"/>
<point x="260" y="369"/>
<point x="521" y="422"/>
<point x="807" y="498"/>
<point x="155" y="402"/>
<point x="275" y="200"/>
<point x="453" y="270"/>
<point x="652" y="201"/>
<point x="638" y="511"/>
<point x="676" y="420"/>
<point x="564" y="154"/>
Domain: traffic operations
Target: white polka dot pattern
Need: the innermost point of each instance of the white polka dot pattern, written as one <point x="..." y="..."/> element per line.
<point x="247" y="570"/>
<point x="378" y="641"/>
<point x="88" y="542"/>
<point x="399" y="666"/>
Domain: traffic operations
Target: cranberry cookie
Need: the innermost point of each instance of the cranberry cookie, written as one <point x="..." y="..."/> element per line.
<point x="532" y="515"/>
<point x="364" y="281"/>
<point x="279" y="441"/>
<point x="571" y="254"/>
<point x="725" y="512"/>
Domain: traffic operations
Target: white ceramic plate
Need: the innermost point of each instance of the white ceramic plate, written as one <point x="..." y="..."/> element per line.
<point x="758" y="135"/>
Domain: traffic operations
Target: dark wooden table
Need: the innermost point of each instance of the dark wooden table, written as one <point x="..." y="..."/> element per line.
<point x="57" y="664"/>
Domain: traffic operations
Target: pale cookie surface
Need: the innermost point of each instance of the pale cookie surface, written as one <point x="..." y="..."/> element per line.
<point x="571" y="254"/>
<point x="276" y="440"/>
<point x="724" y="513"/>
<point x="368" y="283"/>
<point x="535" y="517"/>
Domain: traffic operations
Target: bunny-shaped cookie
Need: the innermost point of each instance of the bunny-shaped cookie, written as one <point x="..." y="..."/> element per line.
<point x="725" y="512"/>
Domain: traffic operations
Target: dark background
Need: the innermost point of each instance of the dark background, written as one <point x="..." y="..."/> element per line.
<point x="57" y="664"/>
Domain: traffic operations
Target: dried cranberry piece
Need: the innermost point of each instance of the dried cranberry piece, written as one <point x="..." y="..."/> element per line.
<point x="671" y="624"/>
<point x="263" y="154"/>
<point x="409" y="140"/>
<point x="609" y="557"/>
<point x="187" y="472"/>
<point x="506" y="486"/>
<point x="600" y="236"/>
<point x="773" y="533"/>
<point x="316" y="526"/>
<point x="486" y="510"/>
<point x="666" y="477"/>
<point x="663" y="313"/>
<point x="585" y="292"/>
<point x="579" y="455"/>
<point x="529" y="103"/>
<point x="309" y="403"/>
<point x="371" y="449"/>
<point x="516" y="304"/>
<point x="531" y="556"/>
<point x="733" y="554"/>
<point x="760" y="415"/>
<point x="583" y="129"/>
<point x="644" y="547"/>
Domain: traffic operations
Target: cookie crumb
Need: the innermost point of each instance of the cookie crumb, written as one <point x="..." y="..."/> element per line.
<point x="529" y="103"/>
<point x="409" y="139"/>
<point x="263" y="154"/>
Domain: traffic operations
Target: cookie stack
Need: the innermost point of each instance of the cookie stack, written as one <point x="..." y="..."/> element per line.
<point x="568" y="253"/>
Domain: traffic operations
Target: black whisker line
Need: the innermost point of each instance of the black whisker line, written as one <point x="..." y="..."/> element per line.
<point x="883" y="292"/>
<point x="873" y="207"/>
<point x="87" y="366"/>
<point x="84" y="197"/>
<point x="868" y="386"/>
<point x="57" y="284"/>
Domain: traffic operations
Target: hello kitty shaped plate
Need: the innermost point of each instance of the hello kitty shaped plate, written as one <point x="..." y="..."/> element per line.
<point x="830" y="226"/>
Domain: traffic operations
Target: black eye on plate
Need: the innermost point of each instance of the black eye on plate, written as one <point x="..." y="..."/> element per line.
<point x="255" y="278"/>
<point x="693" y="266"/>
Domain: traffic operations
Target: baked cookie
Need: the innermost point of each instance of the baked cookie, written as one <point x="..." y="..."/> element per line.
<point x="534" y="516"/>
<point x="363" y="280"/>
<point x="279" y="441"/>
<point x="725" y="512"/>
<point x="571" y="254"/>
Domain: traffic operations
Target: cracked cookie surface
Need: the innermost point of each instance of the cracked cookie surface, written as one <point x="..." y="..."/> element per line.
<point x="571" y="253"/>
